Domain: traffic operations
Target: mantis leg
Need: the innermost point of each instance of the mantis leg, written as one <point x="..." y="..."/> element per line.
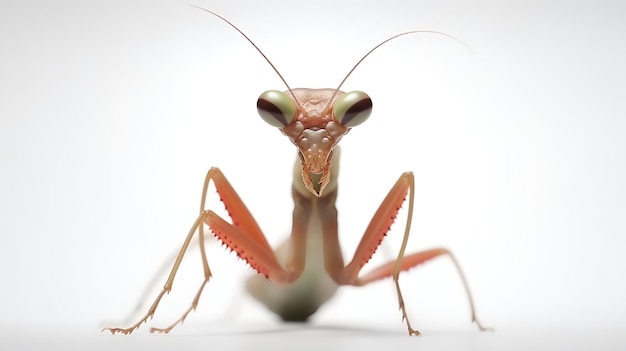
<point x="374" y="235"/>
<point x="244" y="237"/>
<point x="410" y="261"/>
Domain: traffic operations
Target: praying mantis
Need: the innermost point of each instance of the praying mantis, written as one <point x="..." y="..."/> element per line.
<point x="306" y="270"/>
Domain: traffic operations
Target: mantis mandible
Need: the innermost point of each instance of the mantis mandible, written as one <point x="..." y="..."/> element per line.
<point x="305" y="271"/>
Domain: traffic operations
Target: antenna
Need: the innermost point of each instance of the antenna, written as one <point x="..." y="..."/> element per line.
<point x="389" y="39"/>
<point x="255" y="46"/>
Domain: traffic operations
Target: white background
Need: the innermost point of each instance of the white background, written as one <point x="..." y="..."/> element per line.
<point x="112" y="112"/>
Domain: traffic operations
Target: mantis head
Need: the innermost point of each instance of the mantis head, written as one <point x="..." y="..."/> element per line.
<point x="314" y="120"/>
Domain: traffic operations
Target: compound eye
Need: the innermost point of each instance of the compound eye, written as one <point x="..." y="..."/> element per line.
<point x="276" y="108"/>
<point x="352" y="109"/>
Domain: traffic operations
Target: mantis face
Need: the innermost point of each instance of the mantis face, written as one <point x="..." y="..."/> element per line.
<point x="314" y="120"/>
